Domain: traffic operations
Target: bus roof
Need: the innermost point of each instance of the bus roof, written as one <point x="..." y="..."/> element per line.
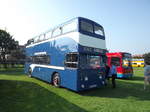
<point x="60" y="25"/>
<point x="117" y="53"/>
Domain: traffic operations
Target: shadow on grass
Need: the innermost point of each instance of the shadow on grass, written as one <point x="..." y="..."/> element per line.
<point x="12" y="71"/>
<point x="123" y="90"/>
<point x="20" y="96"/>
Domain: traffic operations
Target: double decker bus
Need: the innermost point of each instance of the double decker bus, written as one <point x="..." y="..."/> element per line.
<point x="123" y="61"/>
<point x="72" y="55"/>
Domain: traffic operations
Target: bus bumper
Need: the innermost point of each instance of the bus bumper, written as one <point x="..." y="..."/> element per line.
<point x="124" y="75"/>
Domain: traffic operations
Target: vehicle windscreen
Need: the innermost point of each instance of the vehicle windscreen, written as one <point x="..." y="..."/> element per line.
<point x="127" y="61"/>
<point x="91" y="29"/>
<point x="90" y="62"/>
<point x="116" y="60"/>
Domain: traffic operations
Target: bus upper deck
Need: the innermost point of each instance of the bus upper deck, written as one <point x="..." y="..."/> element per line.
<point x="84" y="26"/>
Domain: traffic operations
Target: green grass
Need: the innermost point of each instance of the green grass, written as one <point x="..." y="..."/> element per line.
<point x="18" y="93"/>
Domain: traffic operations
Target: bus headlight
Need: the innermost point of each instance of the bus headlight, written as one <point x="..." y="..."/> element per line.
<point x="86" y="78"/>
<point x="82" y="86"/>
<point x="103" y="82"/>
<point x="100" y="77"/>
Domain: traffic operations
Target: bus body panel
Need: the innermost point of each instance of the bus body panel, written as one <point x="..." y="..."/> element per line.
<point x="68" y="77"/>
<point x="88" y="79"/>
<point x="119" y="75"/>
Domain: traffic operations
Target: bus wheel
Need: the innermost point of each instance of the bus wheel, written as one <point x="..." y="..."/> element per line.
<point x="30" y="72"/>
<point x="56" y="80"/>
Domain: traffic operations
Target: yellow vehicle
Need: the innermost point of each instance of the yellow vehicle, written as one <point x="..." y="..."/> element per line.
<point x="137" y="62"/>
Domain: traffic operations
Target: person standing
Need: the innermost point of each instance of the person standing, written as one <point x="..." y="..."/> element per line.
<point x="113" y="73"/>
<point x="107" y="72"/>
<point x="146" y="76"/>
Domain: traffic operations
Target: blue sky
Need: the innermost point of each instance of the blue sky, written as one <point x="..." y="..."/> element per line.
<point x="126" y="22"/>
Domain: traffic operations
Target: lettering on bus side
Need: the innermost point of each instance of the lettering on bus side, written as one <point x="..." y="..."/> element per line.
<point x="89" y="49"/>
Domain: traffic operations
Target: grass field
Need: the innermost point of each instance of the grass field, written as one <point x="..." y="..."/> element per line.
<point x="18" y="93"/>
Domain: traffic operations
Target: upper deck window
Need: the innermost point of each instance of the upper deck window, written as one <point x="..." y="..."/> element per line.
<point x="98" y="30"/>
<point x="57" y="31"/>
<point x="85" y="26"/>
<point x="36" y="39"/>
<point x="70" y="27"/>
<point x="48" y="35"/>
<point x="41" y="37"/>
<point x="91" y="28"/>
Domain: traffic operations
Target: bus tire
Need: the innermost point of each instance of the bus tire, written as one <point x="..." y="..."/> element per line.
<point x="30" y="72"/>
<point x="56" y="80"/>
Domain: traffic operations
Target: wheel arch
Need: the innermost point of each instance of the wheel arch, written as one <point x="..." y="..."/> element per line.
<point x="53" y="76"/>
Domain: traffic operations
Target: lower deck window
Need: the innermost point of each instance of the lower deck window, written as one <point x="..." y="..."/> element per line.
<point x="71" y="60"/>
<point x="39" y="59"/>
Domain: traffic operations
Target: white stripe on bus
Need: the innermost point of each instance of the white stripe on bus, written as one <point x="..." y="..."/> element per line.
<point x="46" y="66"/>
<point x="81" y="39"/>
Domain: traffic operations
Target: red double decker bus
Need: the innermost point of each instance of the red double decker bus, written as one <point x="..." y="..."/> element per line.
<point x="124" y="63"/>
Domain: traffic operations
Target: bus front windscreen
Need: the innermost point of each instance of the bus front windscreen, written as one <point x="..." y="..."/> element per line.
<point x="127" y="61"/>
<point x="93" y="29"/>
<point x="91" y="62"/>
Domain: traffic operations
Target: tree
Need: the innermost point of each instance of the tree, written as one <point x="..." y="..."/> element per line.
<point x="18" y="54"/>
<point x="147" y="58"/>
<point x="7" y="43"/>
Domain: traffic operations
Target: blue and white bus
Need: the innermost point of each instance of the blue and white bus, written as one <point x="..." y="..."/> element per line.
<point x="72" y="55"/>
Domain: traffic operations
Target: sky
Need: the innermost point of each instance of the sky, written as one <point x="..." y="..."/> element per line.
<point x="126" y="22"/>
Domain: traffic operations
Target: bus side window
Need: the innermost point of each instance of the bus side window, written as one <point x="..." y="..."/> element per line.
<point x="28" y="59"/>
<point x="71" y="60"/>
<point x="48" y="35"/>
<point x="69" y="27"/>
<point x="31" y="41"/>
<point x="35" y="39"/>
<point x="41" y="59"/>
<point x="57" y="31"/>
<point x="41" y="37"/>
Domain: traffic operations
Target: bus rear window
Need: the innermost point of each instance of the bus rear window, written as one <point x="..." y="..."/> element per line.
<point x="86" y="27"/>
